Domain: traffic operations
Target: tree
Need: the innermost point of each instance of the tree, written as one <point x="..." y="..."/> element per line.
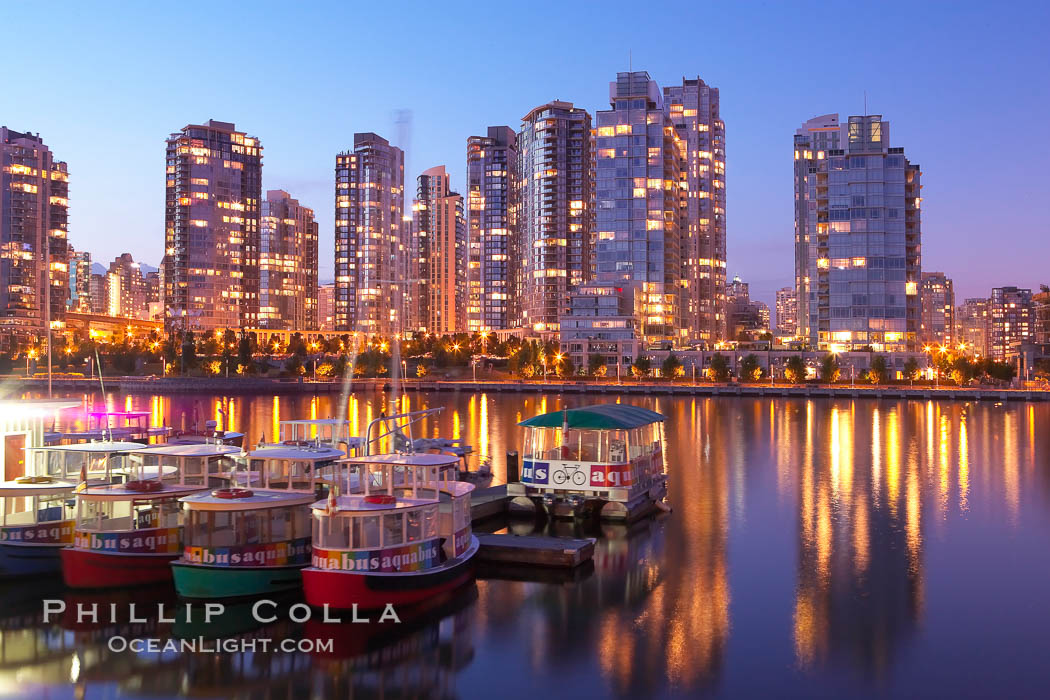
<point x="640" y="367"/>
<point x="244" y="355"/>
<point x="795" y="369"/>
<point x="829" y="369"/>
<point x="911" y="369"/>
<point x="963" y="371"/>
<point x="595" y="363"/>
<point x="421" y="370"/>
<point x="749" y="368"/>
<point x="718" y="370"/>
<point x="189" y="351"/>
<point x="671" y="367"/>
<point x="878" y="373"/>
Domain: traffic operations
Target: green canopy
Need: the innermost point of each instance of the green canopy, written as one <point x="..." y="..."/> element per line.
<point x="606" y="416"/>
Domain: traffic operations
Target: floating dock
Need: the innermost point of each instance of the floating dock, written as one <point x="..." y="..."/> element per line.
<point x="486" y="503"/>
<point x="534" y="550"/>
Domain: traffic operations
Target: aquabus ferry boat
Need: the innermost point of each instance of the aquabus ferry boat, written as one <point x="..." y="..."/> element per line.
<point x="253" y="538"/>
<point x="606" y="459"/>
<point x="404" y="538"/>
<point x="129" y="533"/>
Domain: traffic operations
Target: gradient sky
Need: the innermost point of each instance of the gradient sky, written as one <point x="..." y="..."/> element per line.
<point x="964" y="86"/>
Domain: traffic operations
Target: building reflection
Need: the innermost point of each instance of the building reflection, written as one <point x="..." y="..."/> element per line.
<point x="860" y="537"/>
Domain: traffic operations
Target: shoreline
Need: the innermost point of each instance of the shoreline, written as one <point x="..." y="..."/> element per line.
<point x="242" y="385"/>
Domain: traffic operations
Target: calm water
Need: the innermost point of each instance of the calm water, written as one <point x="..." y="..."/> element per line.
<point x="816" y="548"/>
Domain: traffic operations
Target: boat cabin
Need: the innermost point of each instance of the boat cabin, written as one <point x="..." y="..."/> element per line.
<point x="197" y="464"/>
<point x="410" y="514"/>
<point x="331" y="432"/>
<point x="103" y="461"/>
<point x="36" y="511"/>
<point x="606" y="448"/>
<point x="286" y="468"/>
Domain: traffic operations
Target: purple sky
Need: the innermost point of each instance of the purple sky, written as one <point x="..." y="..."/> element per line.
<point x="964" y="86"/>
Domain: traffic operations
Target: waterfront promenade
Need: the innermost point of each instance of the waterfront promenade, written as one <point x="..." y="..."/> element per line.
<point x="255" y="385"/>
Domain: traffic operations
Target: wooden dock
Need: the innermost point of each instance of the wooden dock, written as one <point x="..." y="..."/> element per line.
<point x="534" y="550"/>
<point x="485" y="503"/>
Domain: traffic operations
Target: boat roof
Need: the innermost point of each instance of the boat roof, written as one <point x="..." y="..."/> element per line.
<point x="422" y="459"/>
<point x="356" y="502"/>
<point x="13" y="488"/>
<point x="129" y="414"/>
<point x="194" y="449"/>
<point x="32" y="408"/>
<point x="260" y="498"/>
<point x="300" y="454"/>
<point x="315" y="421"/>
<point x="106" y="446"/>
<point x="120" y="492"/>
<point x="606" y="416"/>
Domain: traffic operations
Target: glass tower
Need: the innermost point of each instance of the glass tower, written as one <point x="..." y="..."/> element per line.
<point x="857" y="236"/>
<point x="492" y="163"/>
<point x="371" y="246"/>
<point x="287" y="264"/>
<point x="557" y="211"/>
<point x="211" y="262"/>
<point x="693" y="108"/>
<point x="642" y="203"/>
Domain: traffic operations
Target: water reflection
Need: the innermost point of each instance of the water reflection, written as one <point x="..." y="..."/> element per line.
<point x="812" y="543"/>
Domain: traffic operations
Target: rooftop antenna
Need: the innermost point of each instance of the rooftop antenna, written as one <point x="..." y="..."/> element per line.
<point x="865" y="103"/>
<point x="630" y="61"/>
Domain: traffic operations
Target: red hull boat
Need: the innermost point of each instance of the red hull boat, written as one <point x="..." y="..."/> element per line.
<point x="86" y="569"/>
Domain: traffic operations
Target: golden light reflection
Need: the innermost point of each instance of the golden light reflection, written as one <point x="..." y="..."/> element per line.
<point x="964" y="466"/>
<point x="876" y="457"/>
<point x="944" y="454"/>
<point x="275" y="426"/>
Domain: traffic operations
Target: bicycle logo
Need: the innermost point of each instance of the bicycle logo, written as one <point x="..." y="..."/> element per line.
<point x="570" y="472"/>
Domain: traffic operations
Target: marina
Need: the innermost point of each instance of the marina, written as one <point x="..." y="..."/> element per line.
<point x="740" y="478"/>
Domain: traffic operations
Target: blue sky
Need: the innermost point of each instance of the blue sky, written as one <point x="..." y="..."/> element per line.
<point x="964" y="86"/>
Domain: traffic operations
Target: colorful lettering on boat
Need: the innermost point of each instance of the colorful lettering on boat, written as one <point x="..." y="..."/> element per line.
<point x="461" y="540"/>
<point x="293" y="553"/>
<point x="413" y="557"/>
<point x="611" y="475"/>
<point x="58" y="532"/>
<point x="535" y="472"/>
<point x="161" y="540"/>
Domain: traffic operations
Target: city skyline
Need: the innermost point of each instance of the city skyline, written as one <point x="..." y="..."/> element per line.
<point x="759" y="106"/>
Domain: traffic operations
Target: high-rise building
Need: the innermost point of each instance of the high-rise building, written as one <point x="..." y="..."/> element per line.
<point x="127" y="294"/>
<point x="972" y="320"/>
<point x="439" y="254"/>
<point x="642" y="213"/>
<point x="857" y="236"/>
<point x="371" y="245"/>
<point x="34" y="255"/>
<point x="79" y="281"/>
<point x="1011" y="322"/>
<point x="287" y="264"/>
<point x="98" y="293"/>
<point x="693" y="108"/>
<point x="937" y="301"/>
<point x="747" y="317"/>
<point x="326" y="307"/>
<point x="787" y="312"/>
<point x="1041" y="301"/>
<point x="492" y="191"/>
<point x="556" y="219"/>
<point x="214" y="188"/>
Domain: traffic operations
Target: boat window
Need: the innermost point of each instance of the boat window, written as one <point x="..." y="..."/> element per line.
<point x="332" y="533"/>
<point x="430" y="522"/>
<point x="367" y="535"/>
<point x="18" y="510"/>
<point x="460" y="513"/>
<point x="414" y="525"/>
<point x="280" y="525"/>
<point x="393" y="529"/>
<point x="104" y="516"/>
